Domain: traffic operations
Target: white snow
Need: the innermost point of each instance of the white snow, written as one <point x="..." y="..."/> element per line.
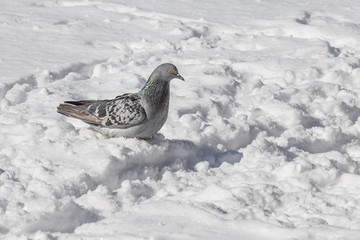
<point x="261" y="142"/>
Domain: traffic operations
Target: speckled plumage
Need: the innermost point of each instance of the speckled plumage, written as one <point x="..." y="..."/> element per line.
<point x="139" y="114"/>
<point x="121" y="112"/>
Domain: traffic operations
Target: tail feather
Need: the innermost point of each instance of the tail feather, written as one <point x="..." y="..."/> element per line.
<point x="85" y="103"/>
<point x="78" y="109"/>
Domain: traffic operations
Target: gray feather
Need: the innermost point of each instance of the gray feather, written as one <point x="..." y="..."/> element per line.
<point x="78" y="110"/>
<point x="122" y="112"/>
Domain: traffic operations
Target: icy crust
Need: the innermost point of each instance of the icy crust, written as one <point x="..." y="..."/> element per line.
<point x="261" y="142"/>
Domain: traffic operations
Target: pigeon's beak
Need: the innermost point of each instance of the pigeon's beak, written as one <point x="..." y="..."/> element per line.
<point x="180" y="77"/>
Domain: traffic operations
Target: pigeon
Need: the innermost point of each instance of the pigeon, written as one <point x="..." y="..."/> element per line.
<point x="132" y="115"/>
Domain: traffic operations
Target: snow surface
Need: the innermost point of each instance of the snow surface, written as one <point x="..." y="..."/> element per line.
<point x="262" y="140"/>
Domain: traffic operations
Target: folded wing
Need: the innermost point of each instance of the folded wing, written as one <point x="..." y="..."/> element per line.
<point x="122" y="112"/>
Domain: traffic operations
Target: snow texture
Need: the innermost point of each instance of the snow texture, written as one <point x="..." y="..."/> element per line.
<point x="261" y="142"/>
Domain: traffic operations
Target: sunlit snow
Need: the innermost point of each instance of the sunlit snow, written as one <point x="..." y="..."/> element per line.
<point x="262" y="140"/>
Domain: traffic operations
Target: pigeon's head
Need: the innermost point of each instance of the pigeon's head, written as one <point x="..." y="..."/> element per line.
<point x="166" y="72"/>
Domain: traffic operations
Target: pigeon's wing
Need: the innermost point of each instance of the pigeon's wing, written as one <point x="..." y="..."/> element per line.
<point x="78" y="109"/>
<point x="122" y="112"/>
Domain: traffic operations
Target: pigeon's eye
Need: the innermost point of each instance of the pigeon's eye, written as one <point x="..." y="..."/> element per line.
<point x="170" y="71"/>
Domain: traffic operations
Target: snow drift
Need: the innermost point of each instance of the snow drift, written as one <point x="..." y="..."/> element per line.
<point x="262" y="140"/>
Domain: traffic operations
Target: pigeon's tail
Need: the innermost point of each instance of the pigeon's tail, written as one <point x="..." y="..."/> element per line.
<point x="78" y="109"/>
